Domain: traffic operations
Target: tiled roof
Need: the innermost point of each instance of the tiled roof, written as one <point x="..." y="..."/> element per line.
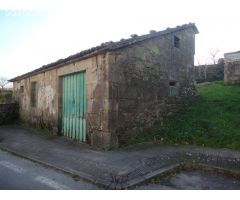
<point x="232" y="52"/>
<point x="232" y="56"/>
<point x="105" y="47"/>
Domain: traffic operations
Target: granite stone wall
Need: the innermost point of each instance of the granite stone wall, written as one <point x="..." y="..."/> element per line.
<point x="9" y="113"/>
<point x="209" y="73"/>
<point x="232" y="72"/>
<point x="47" y="112"/>
<point x="149" y="82"/>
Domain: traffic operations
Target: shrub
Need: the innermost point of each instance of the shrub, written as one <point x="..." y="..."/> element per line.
<point x="5" y="96"/>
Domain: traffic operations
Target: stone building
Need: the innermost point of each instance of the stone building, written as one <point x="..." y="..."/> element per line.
<point x="232" y="68"/>
<point x="109" y="93"/>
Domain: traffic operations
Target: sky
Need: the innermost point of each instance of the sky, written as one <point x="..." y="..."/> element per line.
<point x="35" y="33"/>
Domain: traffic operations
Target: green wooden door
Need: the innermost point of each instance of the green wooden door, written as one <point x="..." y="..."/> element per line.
<point x="74" y="106"/>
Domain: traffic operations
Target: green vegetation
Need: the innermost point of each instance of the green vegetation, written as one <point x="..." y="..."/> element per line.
<point x="5" y="96"/>
<point x="212" y="120"/>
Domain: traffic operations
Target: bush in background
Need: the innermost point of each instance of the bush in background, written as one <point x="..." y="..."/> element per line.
<point x="6" y="96"/>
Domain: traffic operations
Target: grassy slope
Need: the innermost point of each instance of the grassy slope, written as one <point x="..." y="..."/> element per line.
<point x="212" y="120"/>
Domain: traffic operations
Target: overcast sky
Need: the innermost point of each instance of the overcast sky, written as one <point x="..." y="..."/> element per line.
<point x="58" y="29"/>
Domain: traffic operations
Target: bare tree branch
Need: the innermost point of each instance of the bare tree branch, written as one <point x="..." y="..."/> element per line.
<point x="213" y="56"/>
<point x="198" y="61"/>
<point x="3" y="82"/>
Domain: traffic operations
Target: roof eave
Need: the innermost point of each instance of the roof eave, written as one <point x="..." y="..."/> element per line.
<point x="26" y="75"/>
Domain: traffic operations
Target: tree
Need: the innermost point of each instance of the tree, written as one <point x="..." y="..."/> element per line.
<point x="3" y="82"/>
<point x="221" y="61"/>
<point x="213" y="56"/>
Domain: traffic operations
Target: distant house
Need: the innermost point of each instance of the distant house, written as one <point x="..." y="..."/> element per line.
<point x="109" y="93"/>
<point x="232" y="67"/>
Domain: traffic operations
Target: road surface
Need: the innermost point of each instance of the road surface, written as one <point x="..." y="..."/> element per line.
<point x="20" y="174"/>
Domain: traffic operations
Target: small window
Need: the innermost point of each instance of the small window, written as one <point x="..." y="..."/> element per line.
<point x="176" y="42"/>
<point x="33" y="94"/>
<point x="22" y="89"/>
<point x="173" y="89"/>
<point x="172" y="83"/>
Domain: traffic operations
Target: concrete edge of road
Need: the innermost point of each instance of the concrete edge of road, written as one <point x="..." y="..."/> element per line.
<point x="182" y="165"/>
<point x="134" y="182"/>
<point x="74" y="174"/>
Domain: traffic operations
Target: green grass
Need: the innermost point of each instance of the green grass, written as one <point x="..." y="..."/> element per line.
<point x="213" y="120"/>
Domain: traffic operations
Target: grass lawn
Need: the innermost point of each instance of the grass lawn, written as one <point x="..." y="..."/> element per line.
<point x="212" y="120"/>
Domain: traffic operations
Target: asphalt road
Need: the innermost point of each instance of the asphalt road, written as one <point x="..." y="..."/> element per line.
<point x="19" y="174"/>
<point x="194" y="180"/>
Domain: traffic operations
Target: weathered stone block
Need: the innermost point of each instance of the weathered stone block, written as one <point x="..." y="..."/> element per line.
<point x="150" y="70"/>
<point x="231" y="72"/>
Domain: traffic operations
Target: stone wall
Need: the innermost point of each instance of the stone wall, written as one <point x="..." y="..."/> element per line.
<point x="232" y="72"/>
<point x="47" y="112"/>
<point x="149" y="82"/>
<point x="9" y="113"/>
<point x="209" y="73"/>
<point x="232" y="68"/>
